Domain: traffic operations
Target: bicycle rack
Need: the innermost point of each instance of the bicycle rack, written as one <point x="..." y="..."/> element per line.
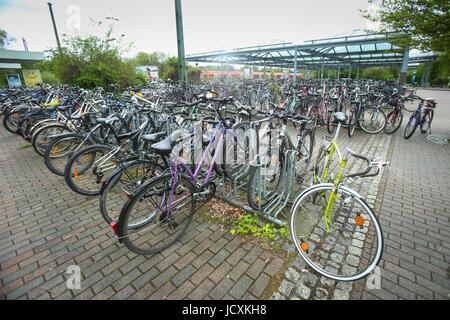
<point x="228" y="189"/>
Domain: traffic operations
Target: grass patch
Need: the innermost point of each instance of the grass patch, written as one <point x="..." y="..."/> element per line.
<point x="25" y="145"/>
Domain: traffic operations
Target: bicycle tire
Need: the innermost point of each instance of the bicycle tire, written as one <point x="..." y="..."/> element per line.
<point x="160" y="231"/>
<point x="305" y="147"/>
<point x="344" y="245"/>
<point x="8" y="117"/>
<point x="236" y="162"/>
<point x="394" y="121"/>
<point x="371" y="125"/>
<point x="42" y="136"/>
<point x="352" y="123"/>
<point x="53" y="155"/>
<point x="270" y="182"/>
<point x="120" y="184"/>
<point x="426" y="124"/>
<point x="410" y="127"/>
<point x="91" y="184"/>
<point x="330" y="122"/>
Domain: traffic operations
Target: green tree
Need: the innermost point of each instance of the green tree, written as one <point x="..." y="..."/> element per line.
<point x="93" y="61"/>
<point x="422" y="24"/>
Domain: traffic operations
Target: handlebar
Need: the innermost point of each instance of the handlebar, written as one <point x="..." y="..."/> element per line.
<point x="370" y="164"/>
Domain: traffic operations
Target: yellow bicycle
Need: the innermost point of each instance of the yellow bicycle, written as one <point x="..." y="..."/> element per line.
<point x="334" y="229"/>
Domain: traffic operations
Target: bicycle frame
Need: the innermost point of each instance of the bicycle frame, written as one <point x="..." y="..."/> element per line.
<point x="331" y="148"/>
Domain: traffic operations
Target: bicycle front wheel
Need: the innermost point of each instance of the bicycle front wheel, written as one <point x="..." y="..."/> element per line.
<point x="157" y="215"/>
<point x="394" y="121"/>
<point x="86" y="170"/>
<point x="372" y="120"/>
<point x="342" y="241"/>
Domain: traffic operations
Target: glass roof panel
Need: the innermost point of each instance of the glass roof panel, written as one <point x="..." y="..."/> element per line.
<point x="384" y="46"/>
<point x="368" y="47"/>
<point x="354" y="48"/>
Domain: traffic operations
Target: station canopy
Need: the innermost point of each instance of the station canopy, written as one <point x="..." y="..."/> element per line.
<point x="12" y="59"/>
<point x="356" y="51"/>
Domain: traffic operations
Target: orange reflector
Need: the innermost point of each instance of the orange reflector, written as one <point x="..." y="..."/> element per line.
<point x="304" y="246"/>
<point x="359" y="220"/>
<point x="15" y="115"/>
<point x="76" y="174"/>
<point x="54" y="150"/>
<point x="257" y="198"/>
<point x="88" y="156"/>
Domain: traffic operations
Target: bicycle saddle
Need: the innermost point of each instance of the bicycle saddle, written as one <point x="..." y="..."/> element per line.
<point x="106" y="120"/>
<point x="165" y="146"/>
<point x="153" y="137"/>
<point x="340" y="116"/>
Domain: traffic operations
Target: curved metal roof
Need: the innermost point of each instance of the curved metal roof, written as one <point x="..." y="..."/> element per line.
<point x="357" y="51"/>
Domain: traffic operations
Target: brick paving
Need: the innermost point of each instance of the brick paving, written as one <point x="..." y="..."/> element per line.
<point x="415" y="216"/>
<point x="45" y="228"/>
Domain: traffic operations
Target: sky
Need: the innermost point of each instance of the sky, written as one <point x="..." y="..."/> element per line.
<point x="208" y="24"/>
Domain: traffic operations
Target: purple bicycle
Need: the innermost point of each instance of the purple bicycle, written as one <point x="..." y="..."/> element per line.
<point x="160" y="211"/>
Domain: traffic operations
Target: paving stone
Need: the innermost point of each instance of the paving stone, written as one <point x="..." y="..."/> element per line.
<point x="286" y="288"/>
<point x="304" y="292"/>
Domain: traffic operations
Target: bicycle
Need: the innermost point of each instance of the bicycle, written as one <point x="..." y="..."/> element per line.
<point x="421" y="116"/>
<point x="332" y="226"/>
<point x="159" y="212"/>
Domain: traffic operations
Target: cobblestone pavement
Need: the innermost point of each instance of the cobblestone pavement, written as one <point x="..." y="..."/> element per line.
<point x="45" y="228"/>
<point x="412" y="203"/>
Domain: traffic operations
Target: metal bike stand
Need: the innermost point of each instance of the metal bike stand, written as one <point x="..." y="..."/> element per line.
<point x="277" y="202"/>
<point x="286" y="194"/>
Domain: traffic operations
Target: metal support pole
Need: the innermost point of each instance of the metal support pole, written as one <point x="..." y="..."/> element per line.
<point x="422" y="80"/>
<point x="350" y="72"/>
<point x="339" y="71"/>
<point x="264" y="77"/>
<point x="295" y="65"/>
<point x="402" y="75"/>
<point x="180" y="42"/>
<point x="357" y="74"/>
<point x="228" y="71"/>
<point x="427" y="76"/>
<point x="54" y="26"/>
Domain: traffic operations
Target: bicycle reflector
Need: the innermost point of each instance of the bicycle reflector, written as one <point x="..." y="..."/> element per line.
<point x="114" y="227"/>
<point x="304" y="246"/>
<point x="359" y="220"/>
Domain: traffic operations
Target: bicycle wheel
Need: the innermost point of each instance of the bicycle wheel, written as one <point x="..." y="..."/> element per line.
<point x="352" y="122"/>
<point x="264" y="179"/>
<point x="121" y="183"/>
<point x="412" y="125"/>
<point x="330" y="122"/>
<point x="372" y="120"/>
<point x="394" y="121"/>
<point x="305" y="147"/>
<point x="343" y="244"/>
<point x="239" y="149"/>
<point x="11" y="118"/>
<point x="88" y="167"/>
<point x="427" y="118"/>
<point x="42" y="136"/>
<point x="60" y="149"/>
<point x="157" y="215"/>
